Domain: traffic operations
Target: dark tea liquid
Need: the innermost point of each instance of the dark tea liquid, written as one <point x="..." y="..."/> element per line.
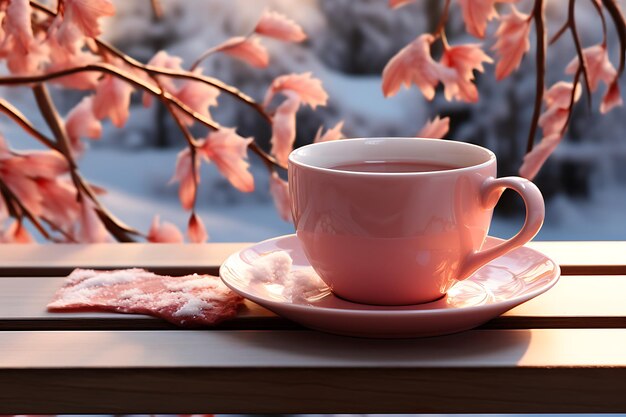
<point x="393" y="166"/>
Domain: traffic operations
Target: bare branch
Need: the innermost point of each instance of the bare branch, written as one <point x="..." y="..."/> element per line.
<point x="11" y="111"/>
<point x="582" y="61"/>
<point x="620" y="25"/>
<point x="538" y="15"/>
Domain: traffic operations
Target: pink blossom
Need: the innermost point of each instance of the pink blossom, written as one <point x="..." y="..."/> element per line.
<point x="228" y="151"/>
<point x="477" y="13"/>
<point x="81" y="122"/>
<point x="80" y="18"/>
<point x="599" y="68"/>
<point x="512" y="42"/>
<point x="414" y="64"/>
<point x="250" y="50"/>
<point x="333" y="133"/>
<point x="4" y="212"/>
<point x="91" y="228"/>
<point x="612" y="98"/>
<point x="284" y="127"/>
<point x="195" y="230"/>
<point x="280" y="194"/>
<point x="395" y="4"/>
<point x="557" y="100"/>
<point x="112" y="99"/>
<point x="464" y="60"/>
<point x="164" y="233"/>
<point x="309" y="89"/>
<point x="276" y="25"/>
<point x="435" y="129"/>
<point x="534" y="160"/>
<point x="16" y="233"/>
<point x="184" y="174"/>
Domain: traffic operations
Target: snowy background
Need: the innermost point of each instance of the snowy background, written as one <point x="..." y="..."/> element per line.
<point x="349" y="43"/>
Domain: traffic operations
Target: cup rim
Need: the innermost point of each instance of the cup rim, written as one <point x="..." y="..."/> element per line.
<point x="491" y="158"/>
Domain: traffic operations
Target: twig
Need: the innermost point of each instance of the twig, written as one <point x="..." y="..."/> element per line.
<point x="620" y="26"/>
<point x="570" y="109"/>
<point x="157" y="9"/>
<point x="235" y="92"/>
<point x="598" y="8"/>
<point x="191" y="142"/>
<point x="11" y="198"/>
<point x="116" y="227"/>
<point x="441" y="25"/>
<point x="11" y="111"/>
<point x="582" y="61"/>
<point x="538" y="14"/>
<point x="559" y="32"/>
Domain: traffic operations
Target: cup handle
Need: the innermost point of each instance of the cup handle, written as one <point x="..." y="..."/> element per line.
<point x="491" y="191"/>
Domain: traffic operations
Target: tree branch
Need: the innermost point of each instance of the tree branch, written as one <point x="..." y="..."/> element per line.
<point x="538" y="15"/>
<point x="11" y="111"/>
<point x="620" y="25"/>
<point x="116" y="227"/>
<point x="582" y="61"/>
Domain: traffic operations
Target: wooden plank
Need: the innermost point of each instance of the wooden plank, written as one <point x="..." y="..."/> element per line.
<point x="61" y="259"/>
<point x="504" y="371"/>
<point x="575" y="258"/>
<point x="576" y="301"/>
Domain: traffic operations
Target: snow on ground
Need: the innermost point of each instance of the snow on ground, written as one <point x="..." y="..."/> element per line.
<point x="137" y="182"/>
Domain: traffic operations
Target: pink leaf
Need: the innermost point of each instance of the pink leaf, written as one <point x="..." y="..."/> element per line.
<point x="435" y="129"/>
<point x="81" y="122"/>
<point x="249" y="50"/>
<point x="333" y="133"/>
<point x="112" y="100"/>
<point x="308" y="89"/>
<point x="395" y="4"/>
<point x="464" y="60"/>
<point x="512" y="42"/>
<point x="184" y="174"/>
<point x="164" y="233"/>
<point x="534" y="160"/>
<point x="612" y="98"/>
<point x="198" y="97"/>
<point x="228" y="151"/>
<point x="280" y="194"/>
<point x="196" y="230"/>
<point x="59" y="202"/>
<point x="91" y="228"/>
<point x="276" y="25"/>
<point x="477" y="13"/>
<point x="284" y="127"/>
<point x="18" y="23"/>
<point x="62" y="58"/>
<point x="599" y="68"/>
<point x="414" y="65"/>
<point x="163" y="60"/>
<point x="557" y="98"/>
<point x="80" y="18"/>
<point x="16" y="233"/>
<point x="44" y="164"/>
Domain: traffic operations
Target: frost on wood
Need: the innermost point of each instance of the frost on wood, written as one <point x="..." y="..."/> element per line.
<point x="190" y="301"/>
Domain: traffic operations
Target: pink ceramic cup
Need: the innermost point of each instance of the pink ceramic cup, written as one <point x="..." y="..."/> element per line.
<point x="403" y="237"/>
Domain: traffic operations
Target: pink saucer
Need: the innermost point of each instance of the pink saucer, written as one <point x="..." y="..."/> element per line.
<point x="499" y="286"/>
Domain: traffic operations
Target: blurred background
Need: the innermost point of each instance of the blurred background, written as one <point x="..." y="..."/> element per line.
<point x="349" y="42"/>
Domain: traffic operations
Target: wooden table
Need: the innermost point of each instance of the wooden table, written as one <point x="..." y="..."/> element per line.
<point x="564" y="351"/>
